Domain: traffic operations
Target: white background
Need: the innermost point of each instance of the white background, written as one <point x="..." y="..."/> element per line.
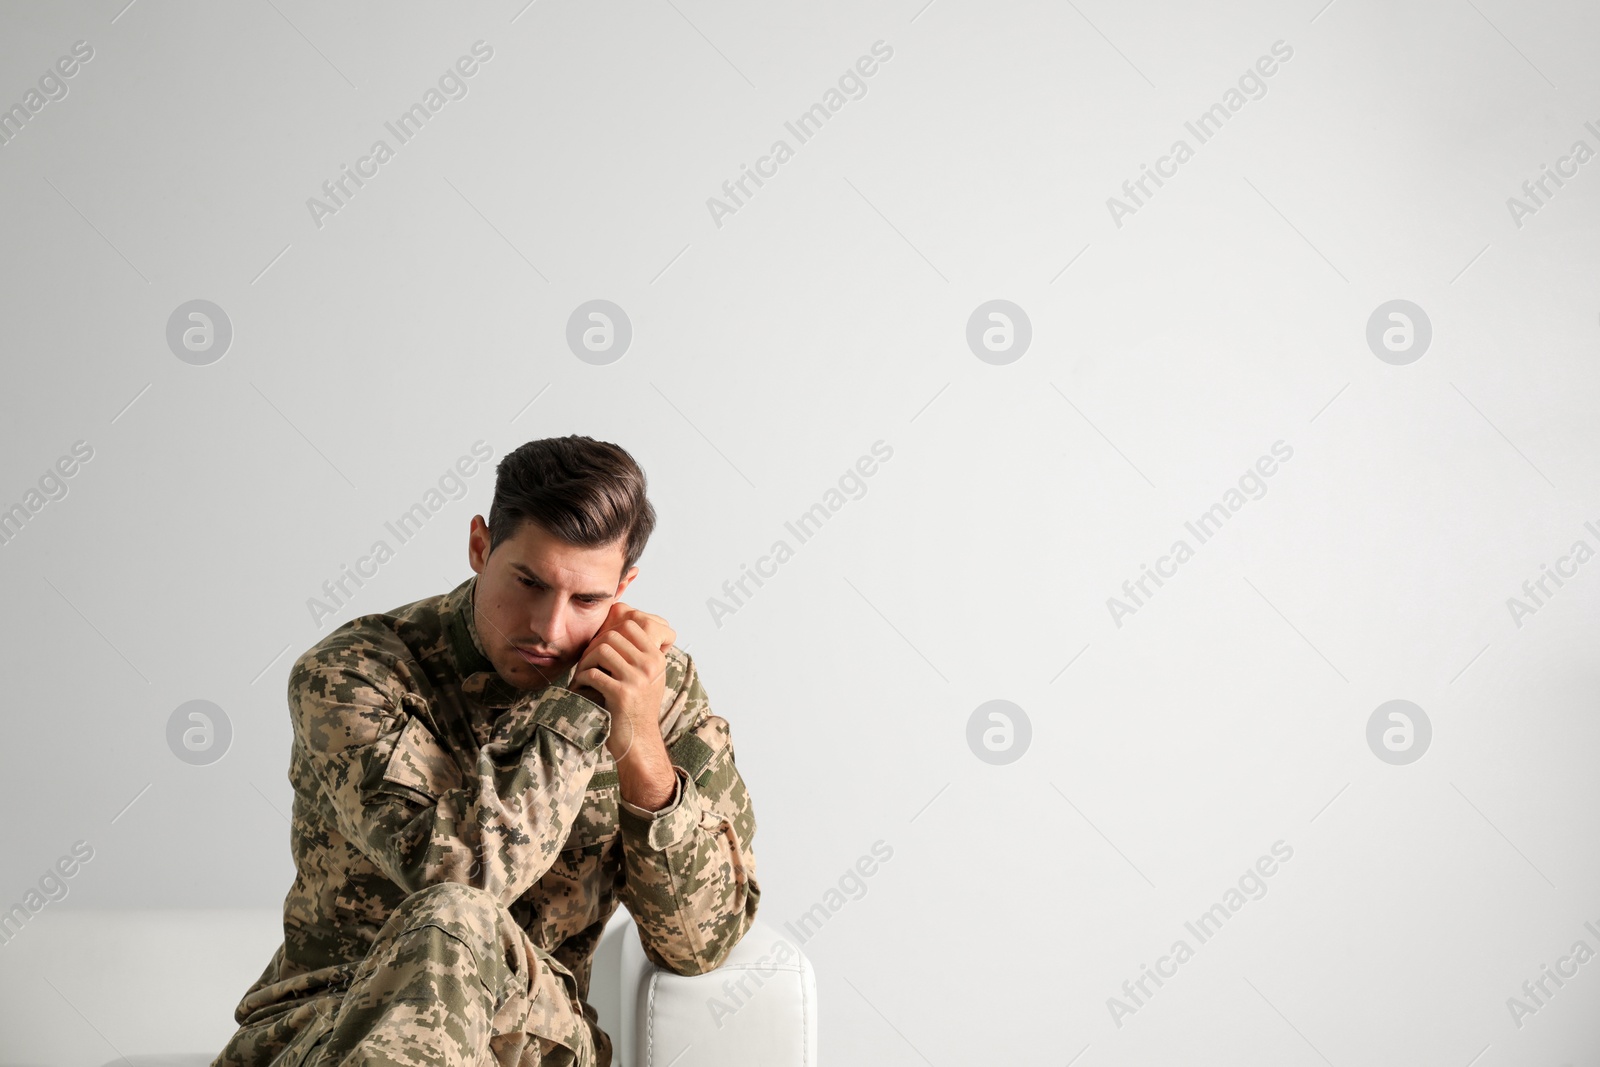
<point x="769" y="353"/>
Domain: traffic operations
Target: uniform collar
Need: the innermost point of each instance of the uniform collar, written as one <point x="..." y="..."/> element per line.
<point x="478" y="676"/>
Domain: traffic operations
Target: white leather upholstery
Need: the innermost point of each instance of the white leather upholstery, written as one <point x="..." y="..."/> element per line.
<point x="750" y="1011"/>
<point x="86" y="988"/>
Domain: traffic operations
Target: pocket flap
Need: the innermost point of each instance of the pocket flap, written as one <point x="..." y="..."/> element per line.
<point x="420" y="763"/>
<point x="697" y="747"/>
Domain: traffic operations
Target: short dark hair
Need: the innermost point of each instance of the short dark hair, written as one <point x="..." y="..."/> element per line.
<point x="586" y="492"/>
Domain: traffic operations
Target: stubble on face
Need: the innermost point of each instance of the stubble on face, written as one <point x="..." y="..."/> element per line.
<point x="503" y="604"/>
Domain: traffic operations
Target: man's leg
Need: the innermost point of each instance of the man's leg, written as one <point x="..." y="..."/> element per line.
<point x="453" y="981"/>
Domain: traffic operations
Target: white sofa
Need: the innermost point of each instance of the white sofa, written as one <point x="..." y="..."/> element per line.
<point x="150" y="988"/>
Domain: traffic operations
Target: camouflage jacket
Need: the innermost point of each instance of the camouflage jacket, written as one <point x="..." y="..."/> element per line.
<point x="414" y="762"/>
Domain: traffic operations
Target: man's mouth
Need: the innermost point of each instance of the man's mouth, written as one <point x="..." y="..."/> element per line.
<point x="536" y="659"/>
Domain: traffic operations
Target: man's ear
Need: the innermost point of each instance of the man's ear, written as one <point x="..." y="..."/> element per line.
<point x="627" y="580"/>
<point x="478" y="544"/>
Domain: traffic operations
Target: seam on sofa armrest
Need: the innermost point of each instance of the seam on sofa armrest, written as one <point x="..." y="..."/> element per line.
<point x="805" y="1018"/>
<point x="650" y="1023"/>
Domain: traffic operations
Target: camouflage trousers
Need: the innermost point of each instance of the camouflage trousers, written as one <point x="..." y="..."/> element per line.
<point x="450" y="981"/>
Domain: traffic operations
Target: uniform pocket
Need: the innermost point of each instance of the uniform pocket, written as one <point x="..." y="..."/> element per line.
<point x="699" y="749"/>
<point x="569" y="896"/>
<point x="555" y="1011"/>
<point x="419" y="767"/>
<point x="596" y="823"/>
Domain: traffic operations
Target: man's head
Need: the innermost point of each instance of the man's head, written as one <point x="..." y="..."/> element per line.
<point x="568" y="522"/>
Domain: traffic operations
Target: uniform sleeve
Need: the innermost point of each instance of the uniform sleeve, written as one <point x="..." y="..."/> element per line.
<point x="393" y="790"/>
<point x="690" y="868"/>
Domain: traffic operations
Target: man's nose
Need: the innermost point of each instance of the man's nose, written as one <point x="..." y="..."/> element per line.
<point x="550" y="624"/>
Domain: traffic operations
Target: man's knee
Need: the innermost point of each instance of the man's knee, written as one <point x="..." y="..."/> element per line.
<point x="466" y="912"/>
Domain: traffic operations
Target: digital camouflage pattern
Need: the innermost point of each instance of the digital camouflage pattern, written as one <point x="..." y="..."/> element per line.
<point x="460" y="845"/>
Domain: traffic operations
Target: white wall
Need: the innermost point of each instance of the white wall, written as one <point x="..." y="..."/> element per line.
<point x="768" y="354"/>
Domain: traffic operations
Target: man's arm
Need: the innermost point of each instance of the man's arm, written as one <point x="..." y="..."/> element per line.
<point x="690" y="867"/>
<point x="403" y="800"/>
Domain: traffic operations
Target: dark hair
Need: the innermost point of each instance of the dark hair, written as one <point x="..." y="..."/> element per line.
<point x="586" y="492"/>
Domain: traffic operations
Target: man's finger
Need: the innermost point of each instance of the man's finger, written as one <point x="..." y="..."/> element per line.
<point x="638" y="635"/>
<point x="615" y="662"/>
<point x="584" y="687"/>
<point x="657" y="633"/>
<point x="661" y="635"/>
<point x="642" y="659"/>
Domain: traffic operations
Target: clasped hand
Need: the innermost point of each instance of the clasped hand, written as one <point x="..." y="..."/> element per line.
<point x="624" y="669"/>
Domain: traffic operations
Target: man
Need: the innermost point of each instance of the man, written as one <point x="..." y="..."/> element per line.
<point x="480" y="777"/>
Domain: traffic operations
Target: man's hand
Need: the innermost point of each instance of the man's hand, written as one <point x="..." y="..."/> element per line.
<point x="625" y="664"/>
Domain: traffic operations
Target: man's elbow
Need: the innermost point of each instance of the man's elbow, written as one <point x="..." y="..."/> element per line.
<point x="704" y="962"/>
<point x="717" y="945"/>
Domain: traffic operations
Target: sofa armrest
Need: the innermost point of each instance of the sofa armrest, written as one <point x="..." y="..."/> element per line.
<point x="751" y="1010"/>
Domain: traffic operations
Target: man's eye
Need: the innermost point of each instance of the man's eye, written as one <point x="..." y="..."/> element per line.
<point x="524" y="581"/>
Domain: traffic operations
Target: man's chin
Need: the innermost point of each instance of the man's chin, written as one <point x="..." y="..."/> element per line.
<point x="537" y="676"/>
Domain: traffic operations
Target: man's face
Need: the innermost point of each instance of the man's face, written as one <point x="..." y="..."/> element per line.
<point x="540" y="599"/>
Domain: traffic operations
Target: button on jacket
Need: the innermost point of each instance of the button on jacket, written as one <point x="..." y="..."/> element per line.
<point x="414" y="763"/>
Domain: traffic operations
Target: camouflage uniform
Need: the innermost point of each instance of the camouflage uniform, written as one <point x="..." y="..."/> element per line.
<point x="460" y="845"/>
